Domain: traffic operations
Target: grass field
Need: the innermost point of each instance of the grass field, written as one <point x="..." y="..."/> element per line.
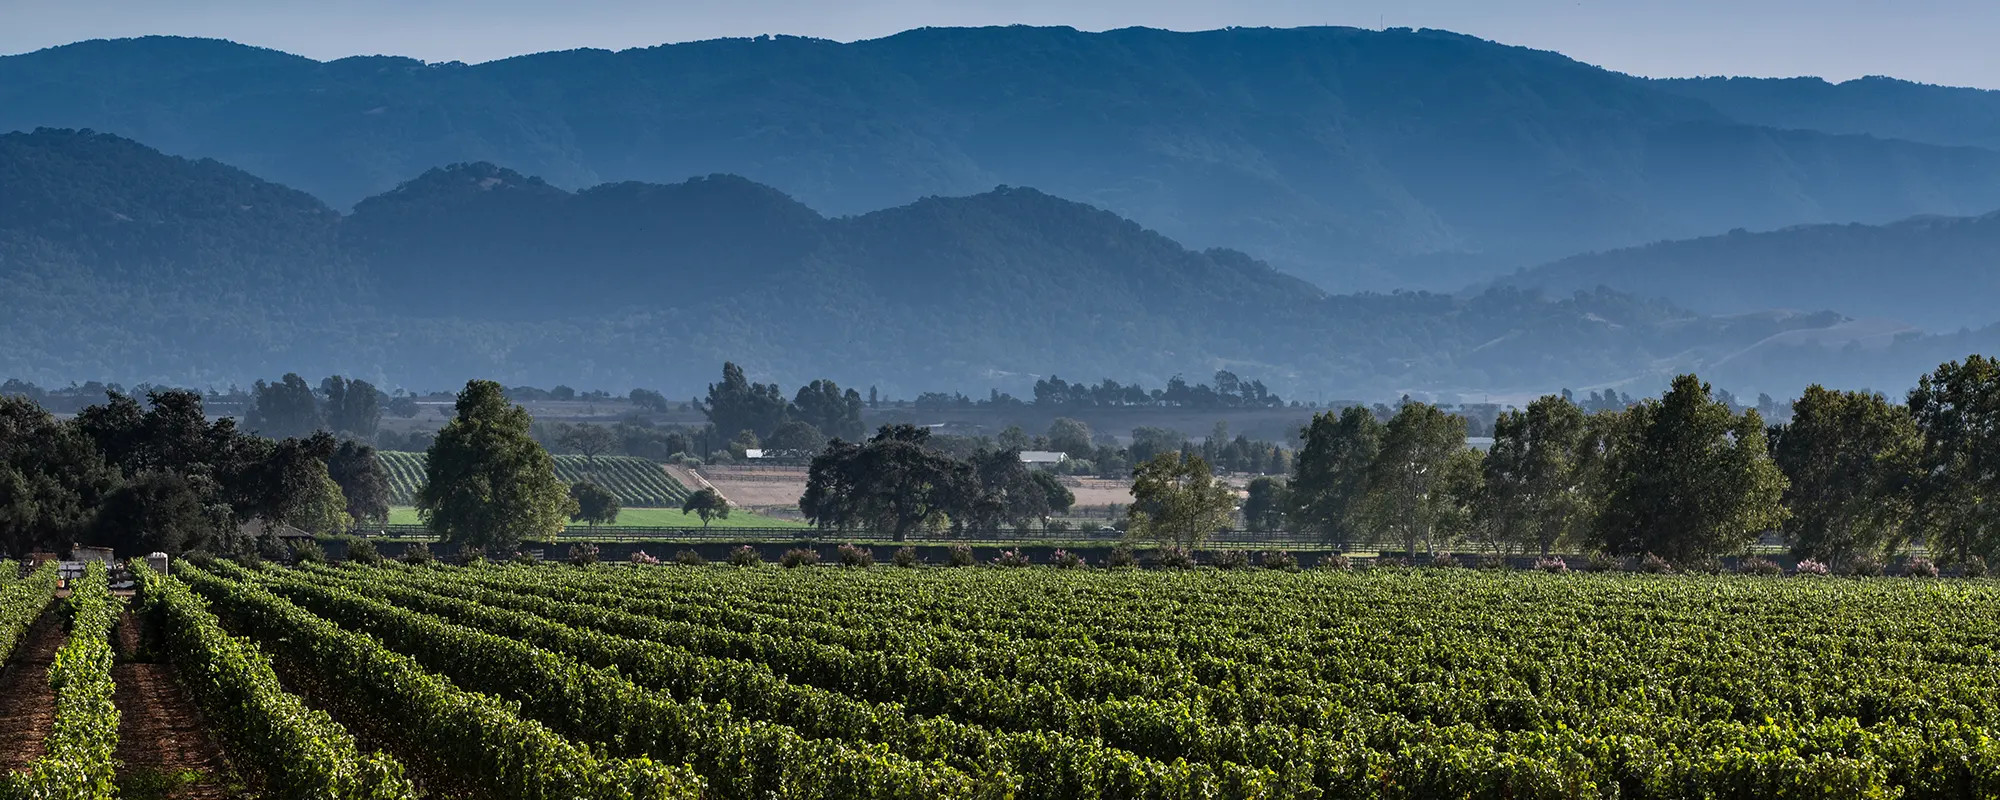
<point x="636" y="482"/>
<point x="824" y="682"/>
<point x="646" y="518"/>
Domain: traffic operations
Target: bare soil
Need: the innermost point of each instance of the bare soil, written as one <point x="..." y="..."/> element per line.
<point x="164" y="750"/>
<point x="752" y="487"/>
<point x="27" y="702"/>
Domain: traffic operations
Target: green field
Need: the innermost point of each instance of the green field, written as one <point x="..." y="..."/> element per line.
<point x="637" y="482"/>
<point x="645" y="518"/>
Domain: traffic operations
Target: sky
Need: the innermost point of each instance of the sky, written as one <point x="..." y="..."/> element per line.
<point x="1934" y="41"/>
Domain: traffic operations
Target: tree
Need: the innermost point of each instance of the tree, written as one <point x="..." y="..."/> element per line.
<point x="1686" y="477"/>
<point x="736" y="404"/>
<point x="1849" y="460"/>
<point x="1330" y="473"/>
<point x="706" y="503"/>
<point x="1013" y="438"/>
<point x="487" y="483"/>
<point x="1177" y="502"/>
<point x="1003" y="490"/>
<point x="588" y="440"/>
<point x="159" y="511"/>
<point x="595" y="505"/>
<point x="798" y="435"/>
<point x="1957" y="500"/>
<point x="1405" y="495"/>
<point x="362" y="480"/>
<point x="829" y="410"/>
<point x="323" y="509"/>
<point x="648" y="399"/>
<point x="1056" y="496"/>
<point x="1070" y="436"/>
<point x="1264" y="508"/>
<point x="52" y="478"/>
<point x="284" y="409"/>
<point x="353" y="407"/>
<point x="1536" y="486"/>
<point x="893" y="482"/>
<point x="1148" y="442"/>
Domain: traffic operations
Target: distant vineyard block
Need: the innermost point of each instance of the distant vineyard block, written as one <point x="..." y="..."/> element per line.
<point x="638" y="483"/>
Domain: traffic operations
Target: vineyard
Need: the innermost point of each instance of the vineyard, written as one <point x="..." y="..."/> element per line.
<point x="637" y="482"/>
<point x="621" y="681"/>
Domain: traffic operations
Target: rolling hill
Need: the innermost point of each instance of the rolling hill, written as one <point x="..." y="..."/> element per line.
<point x="1934" y="273"/>
<point x="1360" y="160"/>
<point x="478" y="271"/>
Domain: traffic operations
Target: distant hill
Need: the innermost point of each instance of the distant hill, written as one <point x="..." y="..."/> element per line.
<point x="1937" y="273"/>
<point x="1356" y="159"/>
<point x="1876" y="106"/>
<point x="201" y="273"/>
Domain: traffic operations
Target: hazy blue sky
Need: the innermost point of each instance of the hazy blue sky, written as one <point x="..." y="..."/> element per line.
<point x="1939" y="41"/>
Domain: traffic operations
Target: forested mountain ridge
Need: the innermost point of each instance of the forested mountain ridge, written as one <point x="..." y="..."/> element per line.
<point x="1934" y="273"/>
<point x="1356" y="159"/>
<point x="1875" y="106"/>
<point x="478" y="270"/>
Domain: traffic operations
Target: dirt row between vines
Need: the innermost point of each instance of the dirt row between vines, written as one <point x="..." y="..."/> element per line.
<point x="164" y="748"/>
<point x="27" y="702"/>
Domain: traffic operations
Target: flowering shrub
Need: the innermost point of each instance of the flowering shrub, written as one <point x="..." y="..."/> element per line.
<point x="1551" y="564"/>
<point x="1603" y="562"/>
<point x="1492" y="561"/>
<point x="1391" y="562"/>
<point x="582" y="553"/>
<point x="1445" y="559"/>
<point x="961" y="556"/>
<point x="906" y="556"/>
<point x="1174" y="558"/>
<point x="1973" y="567"/>
<point x="1759" y="565"/>
<point x="745" y="556"/>
<point x="640" y="557"/>
<point x="1121" y="558"/>
<point x="1334" y="561"/>
<point x="855" y="556"/>
<point x="1811" y="567"/>
<point x="1864" y="566"/>
<point x="1064" y="559"/>
<point x="799" y="557"/>
<point x="471" y="554"/>
<point x="417" y="553"/>
<point x="1010" y="558"/>
<point x="1705" y="565"/>
<point x="1920" y="568"/>
<point x="1655" y="565"/>
<point x="1232" y="559"/>
<point x="1279" y="560"/>
<point x="687" y="558"/>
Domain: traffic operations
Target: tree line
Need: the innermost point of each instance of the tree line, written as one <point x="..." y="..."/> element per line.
<point x="158" y="475"/>
<point x="1689" y="475"/>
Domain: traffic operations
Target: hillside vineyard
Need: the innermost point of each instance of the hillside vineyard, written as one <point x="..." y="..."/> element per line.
<point x="986" y="682"/>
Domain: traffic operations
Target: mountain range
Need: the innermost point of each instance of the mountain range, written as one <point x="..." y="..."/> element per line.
<point x="122" y="262"/>
<point x="1356" y="159"/>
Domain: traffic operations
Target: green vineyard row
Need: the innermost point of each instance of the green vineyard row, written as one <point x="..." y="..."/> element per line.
<point x="301" y="752"/>
<point x="478" y="739"/>
<point x="637" y="482"/>
<point x="1047" y="683"/>
<point x="76" y="761"/>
